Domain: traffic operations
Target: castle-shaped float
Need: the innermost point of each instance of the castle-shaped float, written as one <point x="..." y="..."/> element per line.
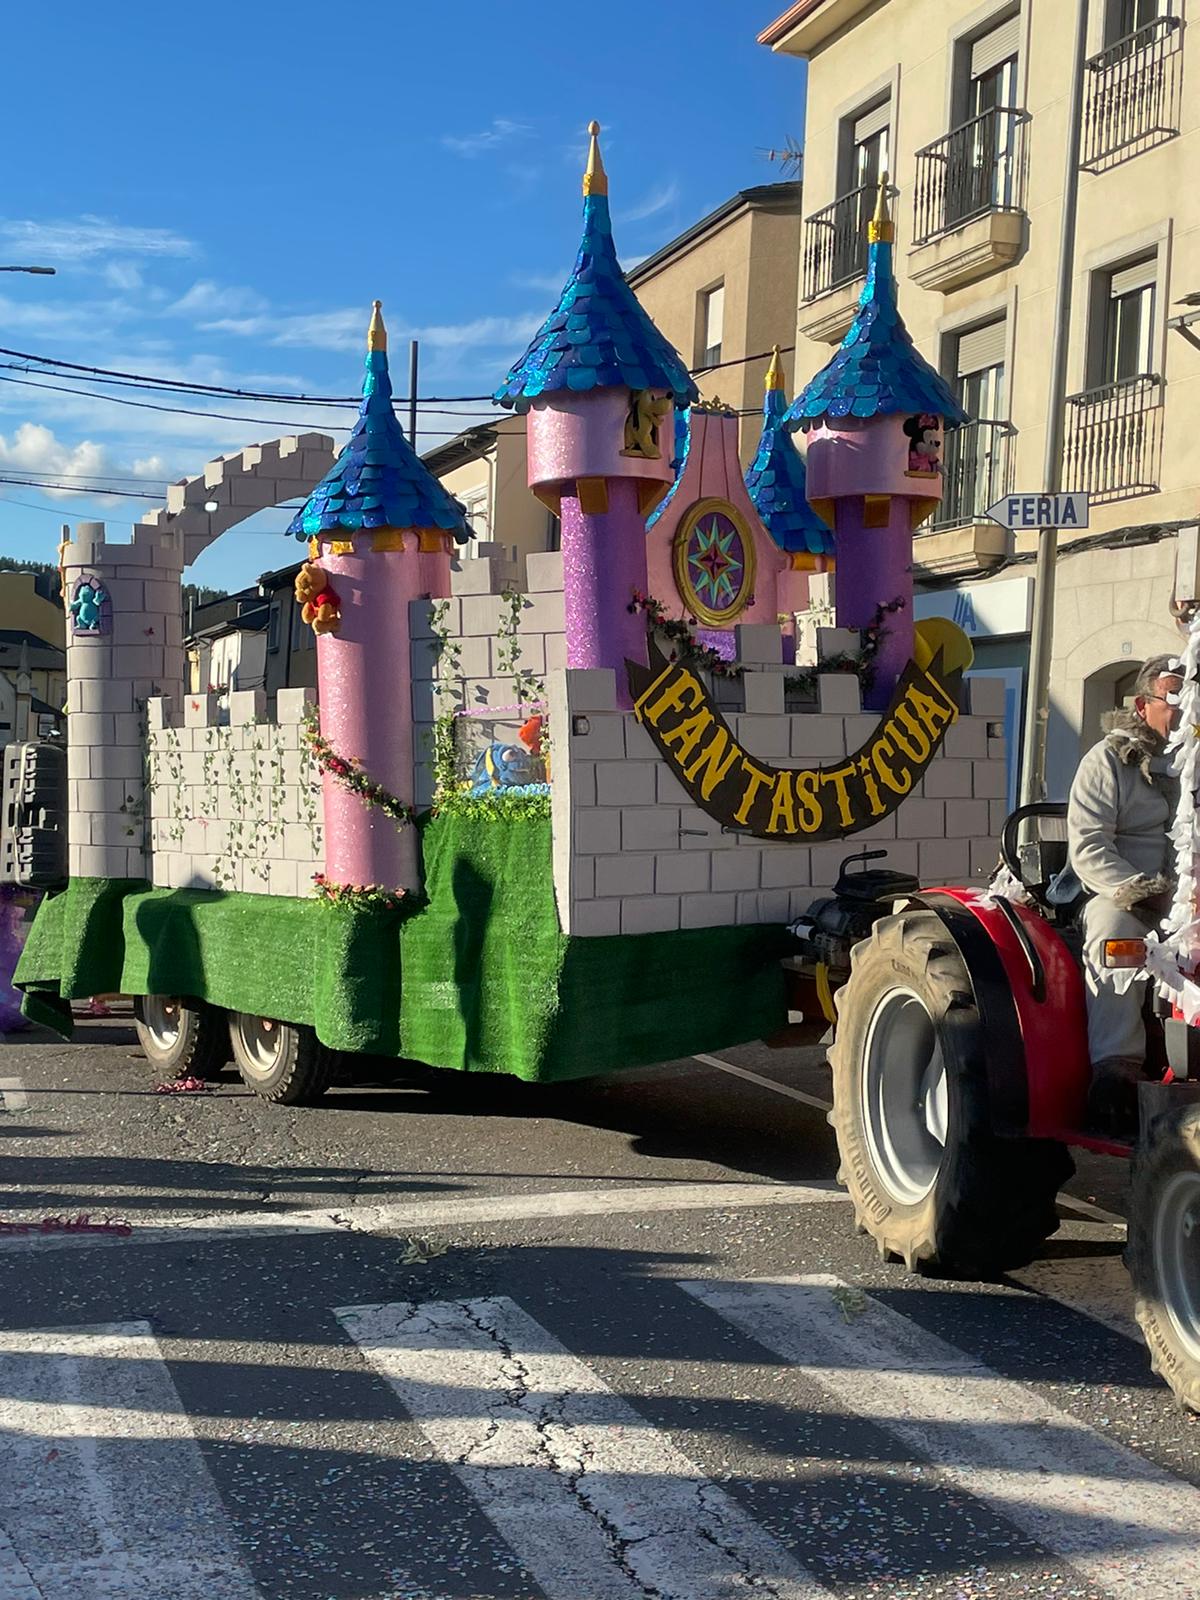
<point x="553" y="828"/>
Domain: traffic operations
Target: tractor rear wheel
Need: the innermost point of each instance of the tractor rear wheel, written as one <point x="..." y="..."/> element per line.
<point x="930" y="1182"/>
<point x="1163" y="1254"/>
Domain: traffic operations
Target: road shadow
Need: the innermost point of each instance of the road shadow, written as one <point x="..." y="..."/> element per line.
<point x="329" y="1488"/>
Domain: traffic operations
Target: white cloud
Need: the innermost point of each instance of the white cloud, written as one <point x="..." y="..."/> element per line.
<point x="35" y="450"/>
<point x="83" y="238"/>
<point x="206" y="298"/>
<point x="476" y="144"/>
<point x="657" y="200"/>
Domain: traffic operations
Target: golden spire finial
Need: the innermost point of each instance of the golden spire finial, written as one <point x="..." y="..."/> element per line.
<point x="775" y="372"/>
<point x="377" y="333"/>
<point x="595" y="179"/>
<point x="881" y="229"/>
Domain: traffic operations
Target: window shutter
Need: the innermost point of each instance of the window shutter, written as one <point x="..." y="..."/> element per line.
<point x="868" y="123"/>
<point x="996" y="46"/>
<point x="980" y="348"/>
<point x="1136" y="275"/>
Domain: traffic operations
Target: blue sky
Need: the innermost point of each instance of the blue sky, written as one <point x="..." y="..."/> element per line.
<point x="224" y="188"/>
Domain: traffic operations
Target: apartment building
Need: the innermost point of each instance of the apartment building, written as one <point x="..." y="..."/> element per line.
<point x="965" y="106"/>
<point x="722" y="291"/>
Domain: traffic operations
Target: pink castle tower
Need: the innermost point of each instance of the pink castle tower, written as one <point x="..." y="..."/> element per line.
<point x="875" y="418"/>
<point x="380" y="533"/>
<point x="599" y="383"/>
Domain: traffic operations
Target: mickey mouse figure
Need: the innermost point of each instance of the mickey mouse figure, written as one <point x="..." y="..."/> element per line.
<point x="924" y="445"/>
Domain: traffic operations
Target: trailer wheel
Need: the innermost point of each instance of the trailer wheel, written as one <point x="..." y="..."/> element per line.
<point x="185" y="1038"/>
<point x="1163" y="1254"/>
<point x="930" y="1182"/>
<point x="280" y="1061"/>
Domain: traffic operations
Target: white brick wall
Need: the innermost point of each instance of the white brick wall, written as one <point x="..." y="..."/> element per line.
<point x="235" y="807"/>
<point x="669" y="865"/>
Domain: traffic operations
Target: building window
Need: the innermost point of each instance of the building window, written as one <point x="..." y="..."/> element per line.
<point x="1134" y="85"/>
<point x="712" y="326"/>
<point x="273" y="626"/>
<point x="977" y="167"/>
<point x="977" y="455"/>
<point x="1126" y="20"/>
<point x="865" y="140"/>
<point x="1113" y="445"/>
<point x="475" y="505"/>
<point x="835" y="238"/>
<point x="1123" y="308"/>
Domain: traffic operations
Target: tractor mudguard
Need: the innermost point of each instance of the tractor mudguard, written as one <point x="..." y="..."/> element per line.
<point x="1030" y="995"/>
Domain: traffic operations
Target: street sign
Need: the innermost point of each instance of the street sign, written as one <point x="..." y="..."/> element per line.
<point x="1022" y="511"/>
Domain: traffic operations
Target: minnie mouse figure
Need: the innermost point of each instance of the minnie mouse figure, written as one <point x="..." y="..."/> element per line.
<point x="924" y="445"/>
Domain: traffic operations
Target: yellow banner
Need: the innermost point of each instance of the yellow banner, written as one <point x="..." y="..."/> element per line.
<point x="807" y="804"/>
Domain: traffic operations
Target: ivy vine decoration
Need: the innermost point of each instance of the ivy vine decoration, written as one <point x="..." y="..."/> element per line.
<point x="351" y="775"/>
<point x="861" y="662"/>
<point x="685" y="647"/>
<point x="362" y="896"/>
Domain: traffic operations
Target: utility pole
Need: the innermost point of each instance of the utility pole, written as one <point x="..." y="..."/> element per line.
<point x="46" y="272"/>
<point x="1041" y="643"/>
<point x="413" y="361"/>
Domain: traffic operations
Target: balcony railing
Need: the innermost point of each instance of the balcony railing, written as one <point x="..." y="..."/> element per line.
<point x="1113" y="442"/>
<point x="976" y="472"/>
<point x="835" y="241"/>
<point x="1133" y="94"/>
<point x="976" y="169"/>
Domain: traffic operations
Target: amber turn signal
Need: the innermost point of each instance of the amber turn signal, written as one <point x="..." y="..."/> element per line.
<point x="1124" y="952"/>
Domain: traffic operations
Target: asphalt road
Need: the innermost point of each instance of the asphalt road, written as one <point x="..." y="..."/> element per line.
<point x="443" y="1338"/>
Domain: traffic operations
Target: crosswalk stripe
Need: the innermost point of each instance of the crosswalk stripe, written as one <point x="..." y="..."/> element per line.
<point x="590" y="1499"/>
<point x="466" y="1210"/>
<point x="1128" y="1527"/>
<point x="103" y="1489"/>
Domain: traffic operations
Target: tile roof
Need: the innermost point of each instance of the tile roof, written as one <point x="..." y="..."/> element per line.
<point x="378" y="481"/>
<point x="776" y="479"/>
<point x="598" y="336"/>
<point x="877" y="371"/>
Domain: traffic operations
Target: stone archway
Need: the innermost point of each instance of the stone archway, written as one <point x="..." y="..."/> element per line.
<point x="135" y="651"/>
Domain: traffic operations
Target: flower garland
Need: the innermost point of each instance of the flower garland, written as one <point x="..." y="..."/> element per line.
<point x="1172" y="958"/>
<point x="685" y="645"/>
<point x="367" y="896"/>
<point x="350" y="774"/>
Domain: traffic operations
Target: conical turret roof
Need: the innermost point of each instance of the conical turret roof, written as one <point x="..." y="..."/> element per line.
<point x="598" y="336"/>
<point x="877" y="370"/>
<point x="776" y="479"/>
<point x="378" y="481"/>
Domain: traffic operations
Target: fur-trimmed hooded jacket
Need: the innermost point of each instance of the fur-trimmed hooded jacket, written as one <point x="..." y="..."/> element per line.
<point x="1121" y="806"/>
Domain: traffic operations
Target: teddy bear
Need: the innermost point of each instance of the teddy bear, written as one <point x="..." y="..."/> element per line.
<point x="319" y="604"/>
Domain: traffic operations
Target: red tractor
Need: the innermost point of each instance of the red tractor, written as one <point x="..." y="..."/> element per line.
<point x="960" y="1080"/>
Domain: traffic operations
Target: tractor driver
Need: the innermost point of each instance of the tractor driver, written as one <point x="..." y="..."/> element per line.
<point x="1122" y="804"/>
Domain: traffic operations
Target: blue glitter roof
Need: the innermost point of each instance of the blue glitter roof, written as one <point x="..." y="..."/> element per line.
<point x="378" y="481"/>
<point x="598" y="336"/>
<point x="775" y="480"/>
<point x="877" y="370"/>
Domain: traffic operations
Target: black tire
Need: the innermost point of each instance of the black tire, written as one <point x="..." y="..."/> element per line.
<point x="1163" y="1254"/>
<point x="930" y="1182"/>
<point x="281" y="1061"/>
<point x="182" y="1038"/>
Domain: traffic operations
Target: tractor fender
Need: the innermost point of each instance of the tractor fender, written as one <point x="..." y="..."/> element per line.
<point x="1032" y="1007"/>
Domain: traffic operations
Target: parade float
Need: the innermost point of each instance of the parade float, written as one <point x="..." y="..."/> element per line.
<point x="548" y="823"/>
